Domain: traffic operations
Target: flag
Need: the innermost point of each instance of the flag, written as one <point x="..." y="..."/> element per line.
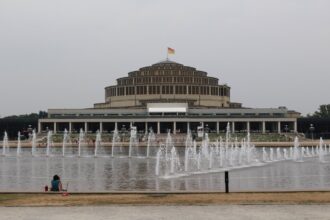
<point x="170" y="51"/>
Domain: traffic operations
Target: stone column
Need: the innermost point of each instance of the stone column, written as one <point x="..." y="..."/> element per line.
<point x="279" y="127"/>
<point x="174" y="127"/>
<point x="39" y="127"/>
<point x="158" y="127"/>
<point x="217" y="127"/>
<point x="263" y="127"/>
<point x="116" y="126"/>
<point x="295" y="126"/>
<point x="233" y="127"/>
<point x="101" y="127"/>
<point x="188" y="127"/>
<point x="86" y="127"/>
<point x="70" y="126"/>
<point x="55" y="129"/>
<point x="146" y="127"/>
<point x="248" y="126"/>
<point x="201" y="124"/>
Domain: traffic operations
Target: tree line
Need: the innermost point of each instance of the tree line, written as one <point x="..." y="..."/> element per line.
<point x="23" y="123"/>
<point x="316" y="125"/>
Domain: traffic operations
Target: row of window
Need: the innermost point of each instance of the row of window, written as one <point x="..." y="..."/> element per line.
<point x="167" y="79"/>
<point x="168" y="71"/>
<point x="171" y="72"/>
<point x="168" y="89"/>
<point x="192" y="114"/>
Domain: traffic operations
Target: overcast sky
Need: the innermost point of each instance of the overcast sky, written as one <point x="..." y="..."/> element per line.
<point x="62" y="53"/>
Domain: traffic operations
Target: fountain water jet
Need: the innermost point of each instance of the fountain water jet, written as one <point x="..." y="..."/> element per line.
<point x="132" y="141"/>
<point x="168" y="142"/>
<point x="19" y="150"/>
<point x="49" y="143"/>
<point x="227" y="134"/>
<point x="167" y="161"/>
<point x="285" y="154"/>
<point x="210" y="157"/>
<point x="66" y="142"/>
<point x="157" y="162"/>
<point x="151" y="140"/>
<point x="264" y="155"/>
<point x="97" y="142"/>
<point x="278" y="154"/>
<point x="115" y="140"/>
<point x="321" y="151"/>
<point x="34" y="143"/>
<point x="296" y="153"/>
<point x="189" y="139"/>
<point x="5" y="144"/>
<point x="81" y="142"/>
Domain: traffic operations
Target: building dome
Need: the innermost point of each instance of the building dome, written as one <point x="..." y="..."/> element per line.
<point x="167" y="61"/>
<point x="166" y="81"/>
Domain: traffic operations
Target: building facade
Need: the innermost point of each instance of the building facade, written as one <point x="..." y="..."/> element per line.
<point x="169" y="95"/>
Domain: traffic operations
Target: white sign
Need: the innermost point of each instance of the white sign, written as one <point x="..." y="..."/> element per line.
<point x="167" y="107"/>
<point x="200" y="131"/>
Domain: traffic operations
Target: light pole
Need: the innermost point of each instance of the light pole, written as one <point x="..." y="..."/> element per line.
<point x="207" y="128"/>
<point x="286" y="131"/>
<point x="286" y="128"/>
<point x="312" y="129"/>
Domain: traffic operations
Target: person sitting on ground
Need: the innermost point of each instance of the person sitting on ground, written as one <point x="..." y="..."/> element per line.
<point x="56" y="184"/>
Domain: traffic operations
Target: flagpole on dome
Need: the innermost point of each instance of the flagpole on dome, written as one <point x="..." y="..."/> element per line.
<point x="167" y="54"/>
<point x="169" y="51"/>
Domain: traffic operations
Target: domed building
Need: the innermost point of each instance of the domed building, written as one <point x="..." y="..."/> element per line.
<point x="169" y="96"/>
<point x="166" y="82"/>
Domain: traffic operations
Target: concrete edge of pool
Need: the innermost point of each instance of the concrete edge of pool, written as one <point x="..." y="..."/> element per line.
<point x="41" y="199"/>
<point x="165" y="192"/>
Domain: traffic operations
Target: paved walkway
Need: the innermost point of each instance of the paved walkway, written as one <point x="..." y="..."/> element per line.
<point x="228" y="212"/>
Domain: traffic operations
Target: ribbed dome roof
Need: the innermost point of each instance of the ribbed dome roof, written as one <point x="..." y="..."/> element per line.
<point x="167" y="61"/>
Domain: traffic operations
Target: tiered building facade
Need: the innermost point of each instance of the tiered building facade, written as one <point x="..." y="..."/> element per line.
<point x="169" y="95"/>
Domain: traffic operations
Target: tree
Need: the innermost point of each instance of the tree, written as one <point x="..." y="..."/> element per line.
<point x="323" y="112"/>
<point x="14" y="123"/>
<point x="42" y="114"/>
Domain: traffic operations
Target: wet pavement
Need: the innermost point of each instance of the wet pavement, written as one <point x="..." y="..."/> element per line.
<point x="228" y="212"/>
